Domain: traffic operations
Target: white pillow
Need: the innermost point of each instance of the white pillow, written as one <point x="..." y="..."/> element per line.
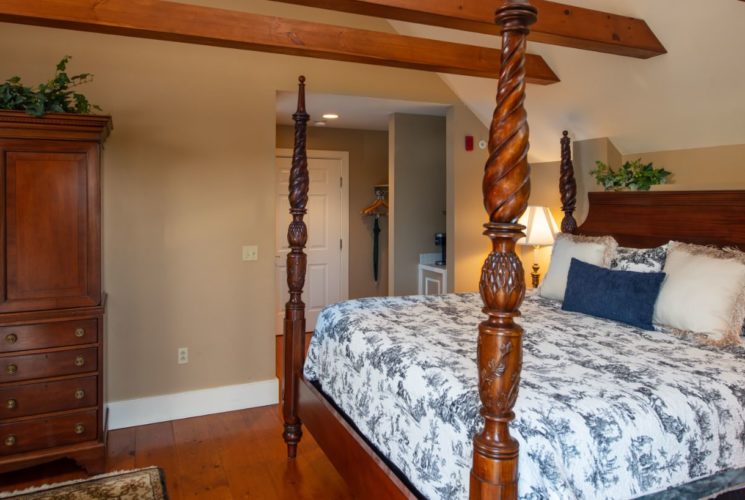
<point x="593" y="250"/>
<point x="704" y="292"/>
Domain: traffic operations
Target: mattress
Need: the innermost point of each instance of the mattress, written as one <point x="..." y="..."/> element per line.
<point x="604" y="410"/>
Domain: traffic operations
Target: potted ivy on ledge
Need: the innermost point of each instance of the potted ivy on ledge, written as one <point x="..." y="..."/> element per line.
<point x="53" y="96"/>
<point x="631" y="176"/>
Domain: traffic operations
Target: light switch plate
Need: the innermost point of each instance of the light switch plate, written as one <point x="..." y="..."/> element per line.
<point x="250" y="252"/>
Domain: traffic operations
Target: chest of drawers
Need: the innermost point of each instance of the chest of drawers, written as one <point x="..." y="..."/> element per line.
<point x="52" y="388"/>
<point x="51" y="302"/>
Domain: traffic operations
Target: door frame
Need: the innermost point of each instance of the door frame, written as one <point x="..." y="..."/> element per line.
<point x="344" y="157"/>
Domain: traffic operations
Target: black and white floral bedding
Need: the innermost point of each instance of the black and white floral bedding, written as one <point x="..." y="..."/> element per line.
<point x="604" y="411"/>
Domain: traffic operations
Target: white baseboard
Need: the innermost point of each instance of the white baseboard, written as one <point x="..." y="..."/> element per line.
<point x="150" y="410"/>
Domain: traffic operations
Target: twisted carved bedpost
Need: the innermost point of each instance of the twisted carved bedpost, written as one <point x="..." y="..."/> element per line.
<point x="297" y="236"/>
<point x="567" y="186"/>
<point x="506" y="190"/>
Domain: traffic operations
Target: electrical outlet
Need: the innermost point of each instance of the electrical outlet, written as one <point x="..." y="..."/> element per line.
<point x="183" y="355"/>
<point x="250" y="252"/>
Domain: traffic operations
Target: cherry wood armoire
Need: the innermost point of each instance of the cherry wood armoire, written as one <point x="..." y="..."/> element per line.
<point x="51" y="300"/>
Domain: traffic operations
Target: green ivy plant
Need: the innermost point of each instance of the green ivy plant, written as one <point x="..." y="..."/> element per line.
<point x="633" y="175"/>
<point x="53" y="96"/>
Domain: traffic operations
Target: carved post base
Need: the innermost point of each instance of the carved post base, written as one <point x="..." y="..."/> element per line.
<point x="294" y="354"/>
<point x="495" y="452"/>
<point x="495" y="478"/>
<point x="292" y="435"/>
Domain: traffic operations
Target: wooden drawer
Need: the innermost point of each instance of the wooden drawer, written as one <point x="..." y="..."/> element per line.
<point x="51" y="364"/>
<point x="38" y="433"/>
<point x="46" y="397"/>
<point x="43" y="335"/>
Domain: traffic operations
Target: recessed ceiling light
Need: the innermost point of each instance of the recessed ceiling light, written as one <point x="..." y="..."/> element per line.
<point x="319" y="124"/>
<point x="331" y="116"/>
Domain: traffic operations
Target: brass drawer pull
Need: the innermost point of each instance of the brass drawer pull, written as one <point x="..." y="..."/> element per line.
<point x="79" y="394"/>
<point x="12" y="404"/>
<point x="80" y="333"/>
<point x="11" y="369"/>
<point x="79" y="361"/>
<point x="11" y="338"/>
<point x="10" y="440"/>
<point x="79" y="428"/>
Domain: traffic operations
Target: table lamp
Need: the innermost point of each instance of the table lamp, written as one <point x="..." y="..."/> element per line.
<point x="540" y="232"/>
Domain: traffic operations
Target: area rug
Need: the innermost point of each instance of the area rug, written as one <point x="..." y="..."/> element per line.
<point x="141" y="484"/>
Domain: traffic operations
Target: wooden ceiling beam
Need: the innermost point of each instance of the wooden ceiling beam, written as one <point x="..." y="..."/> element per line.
<point x="558" y="24"/>
<point x="179" y="22"/>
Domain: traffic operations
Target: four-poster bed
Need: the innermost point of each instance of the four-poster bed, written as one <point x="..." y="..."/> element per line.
<point x="506" y="190"/>
<point x="657" y="218"/>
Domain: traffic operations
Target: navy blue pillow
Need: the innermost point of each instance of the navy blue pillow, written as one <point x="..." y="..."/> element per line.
<point x="624" y="296"/>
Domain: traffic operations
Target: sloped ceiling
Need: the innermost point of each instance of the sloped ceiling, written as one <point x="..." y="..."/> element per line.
<point x="692" y="97"/>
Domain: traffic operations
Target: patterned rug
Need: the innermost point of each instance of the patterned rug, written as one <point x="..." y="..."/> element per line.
<point x="141" y="484"/>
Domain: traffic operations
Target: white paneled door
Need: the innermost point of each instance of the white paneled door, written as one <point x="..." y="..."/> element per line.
<point x="326" y="279"/>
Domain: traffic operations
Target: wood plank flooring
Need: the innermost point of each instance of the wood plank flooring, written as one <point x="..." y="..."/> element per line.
<point x="231" y="455"/>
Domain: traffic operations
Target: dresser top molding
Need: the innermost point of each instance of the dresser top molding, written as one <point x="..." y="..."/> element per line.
<point x="55" y="126"/>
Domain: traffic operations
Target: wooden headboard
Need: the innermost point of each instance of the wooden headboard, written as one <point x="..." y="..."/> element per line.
<point x="645" y="219"/>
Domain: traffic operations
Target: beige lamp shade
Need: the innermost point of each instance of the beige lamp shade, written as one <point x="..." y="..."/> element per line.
<point x="540" y="226"/>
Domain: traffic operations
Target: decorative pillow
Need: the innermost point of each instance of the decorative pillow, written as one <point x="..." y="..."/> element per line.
<point x="625" y="296"/>
<point x="642" y="260"/>
<point x="704" y="293"/>
<point x="593" y="250"/>
<point x="736" y="251"/>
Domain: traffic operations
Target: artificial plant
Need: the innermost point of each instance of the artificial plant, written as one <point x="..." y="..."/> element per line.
<point x="633" y="175"/>
<point x="53" y="96"/>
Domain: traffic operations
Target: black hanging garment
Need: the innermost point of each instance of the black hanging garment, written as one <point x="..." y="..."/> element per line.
<point x="376" y="246"/>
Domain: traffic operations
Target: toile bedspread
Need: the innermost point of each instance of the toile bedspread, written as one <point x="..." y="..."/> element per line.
<point x="604" y="410"/>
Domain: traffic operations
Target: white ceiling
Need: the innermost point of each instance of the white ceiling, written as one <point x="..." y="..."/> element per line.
<point x="694" y="96"/>
<point x="364" y="113"/>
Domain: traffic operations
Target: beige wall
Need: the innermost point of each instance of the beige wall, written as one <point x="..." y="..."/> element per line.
<point x="704" y="168"/>
<point x="585" y="154"/>
<point x="368" y="167"/>
<point x="693" y="169"/>
<point x="465" y="172"/>
<point x="189" y="179"/>
<point x="417" y="174"/>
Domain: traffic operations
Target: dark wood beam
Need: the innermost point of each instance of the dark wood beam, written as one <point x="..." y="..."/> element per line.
<point x="558" y="24"/>
<point x="179" y="22"/>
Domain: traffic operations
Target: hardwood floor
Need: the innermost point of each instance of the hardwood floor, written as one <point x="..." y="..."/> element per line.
<point x="228" y="455"/>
